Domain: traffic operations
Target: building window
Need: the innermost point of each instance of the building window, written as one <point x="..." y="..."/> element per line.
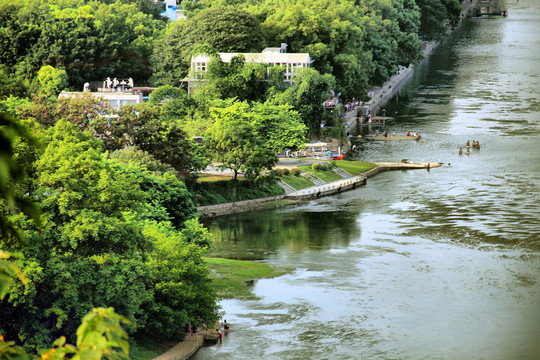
<point x="200" y="66"/>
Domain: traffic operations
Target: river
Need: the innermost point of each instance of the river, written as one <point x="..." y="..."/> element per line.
<point x="417" y="264"/>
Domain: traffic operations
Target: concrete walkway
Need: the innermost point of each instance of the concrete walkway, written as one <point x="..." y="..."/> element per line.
<point x="183" y="350"/>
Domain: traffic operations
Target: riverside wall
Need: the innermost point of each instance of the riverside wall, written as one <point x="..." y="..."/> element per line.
<point x="313" y="192"/>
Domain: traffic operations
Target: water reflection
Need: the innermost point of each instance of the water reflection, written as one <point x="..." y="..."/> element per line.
<point x="415" y="265"/>
<point x="255" y="235"/>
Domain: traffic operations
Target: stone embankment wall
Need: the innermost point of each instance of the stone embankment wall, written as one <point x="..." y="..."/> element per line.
<point x="313" y="192"/>
<point x="237" y="207"/>
<point x="328" y="189"/>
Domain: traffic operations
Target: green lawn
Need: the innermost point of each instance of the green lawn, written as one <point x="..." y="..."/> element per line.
<point x="231" y="277"/>
<point x="297" y="182"/>
<point x="326" y="176"/>
<point x="354" y="167"/>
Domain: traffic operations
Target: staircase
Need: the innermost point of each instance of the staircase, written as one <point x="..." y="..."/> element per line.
<point x="344" y="174"/>
<point x="288" y="188"/>
<point x="314" y="179"/>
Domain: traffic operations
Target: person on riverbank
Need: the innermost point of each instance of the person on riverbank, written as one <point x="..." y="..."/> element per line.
<point x="220" y="335"/>
<point x="190" y="332"/>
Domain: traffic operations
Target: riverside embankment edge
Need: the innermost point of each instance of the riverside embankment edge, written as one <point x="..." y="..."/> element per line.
<point x="314" y="192"/>
<point x="185" y="349"/>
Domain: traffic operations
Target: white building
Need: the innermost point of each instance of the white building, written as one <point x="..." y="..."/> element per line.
<point x="115" y="93"/>
<point x="270" y="56"/>
<point x="114" y="99"/>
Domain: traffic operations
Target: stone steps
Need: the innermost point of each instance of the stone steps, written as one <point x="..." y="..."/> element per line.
<point x="343" y="173"/>
<point x="314" y="179"/>
<point x="288" y="188"/>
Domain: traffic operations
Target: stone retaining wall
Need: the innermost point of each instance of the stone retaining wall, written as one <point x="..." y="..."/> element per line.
<point x="327" y="189"/>
<point x="237" y="206"/>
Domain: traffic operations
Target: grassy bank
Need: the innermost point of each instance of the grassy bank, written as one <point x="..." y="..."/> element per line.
<point x="233" y="278"/>
<point x="297" y="182"/>
<point x="212" y="190"/>
<point x="324" y="175"/>
<point x="354" y="167"/>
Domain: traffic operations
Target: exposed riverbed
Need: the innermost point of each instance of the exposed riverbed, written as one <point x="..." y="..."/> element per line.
<point x="417" y="264"/>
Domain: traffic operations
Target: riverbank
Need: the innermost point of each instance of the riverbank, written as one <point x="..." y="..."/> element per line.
<point x="186" y="348"/>
<point x="381" y="94"/>
<point x="297" y="196"/>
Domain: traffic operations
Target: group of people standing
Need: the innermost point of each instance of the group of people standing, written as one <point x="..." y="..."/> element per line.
<point x="475" y="144"/>
<point x="191" y="332"/>
<point x="223" y="328"/>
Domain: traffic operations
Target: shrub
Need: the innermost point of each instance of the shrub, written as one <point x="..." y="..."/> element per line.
<point x="322" y="167"/>
<point x="286" y="171"/>
<point x="278" y="172"/>
<point x="296" y="171"/>
<point x="316" y="166"/>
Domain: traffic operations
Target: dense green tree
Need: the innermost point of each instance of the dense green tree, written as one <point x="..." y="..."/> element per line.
<point x="436" y="17"/>
<point x="176" y="104"/>
<point x="236" y="79"/>
<point x="166" y="141"/>
<point x="100" y="246"/>
<point x="235" y="142"/>
<point x="49" y="81"/>
<point x="330" y="31"/>
<point x="306" y="96"/>
<point x="87" y="248"/>
<point x="154" y="129"/>
<point x="181" y="279"/>
<point x="90" y="40"/>
<point x="10" y="85"/>
<point x="141" y="160"/>
<point x="407" y="15"/>
<point x="281" y="126"/>
<point x="13" y="173"/>
<point x="223" y="28"/>
<point x="247" y="138"/>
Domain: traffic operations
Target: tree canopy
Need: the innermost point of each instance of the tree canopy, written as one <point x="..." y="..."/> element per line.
<point x="116" y="233"/>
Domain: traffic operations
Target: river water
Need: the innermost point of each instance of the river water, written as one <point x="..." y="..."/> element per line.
<point x="417" y="264"/>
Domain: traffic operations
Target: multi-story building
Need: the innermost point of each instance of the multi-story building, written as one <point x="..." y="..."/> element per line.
<point x="290" y="62"/>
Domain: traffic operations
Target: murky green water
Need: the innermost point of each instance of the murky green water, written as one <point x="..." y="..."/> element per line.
<point x="442" y="264"/>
